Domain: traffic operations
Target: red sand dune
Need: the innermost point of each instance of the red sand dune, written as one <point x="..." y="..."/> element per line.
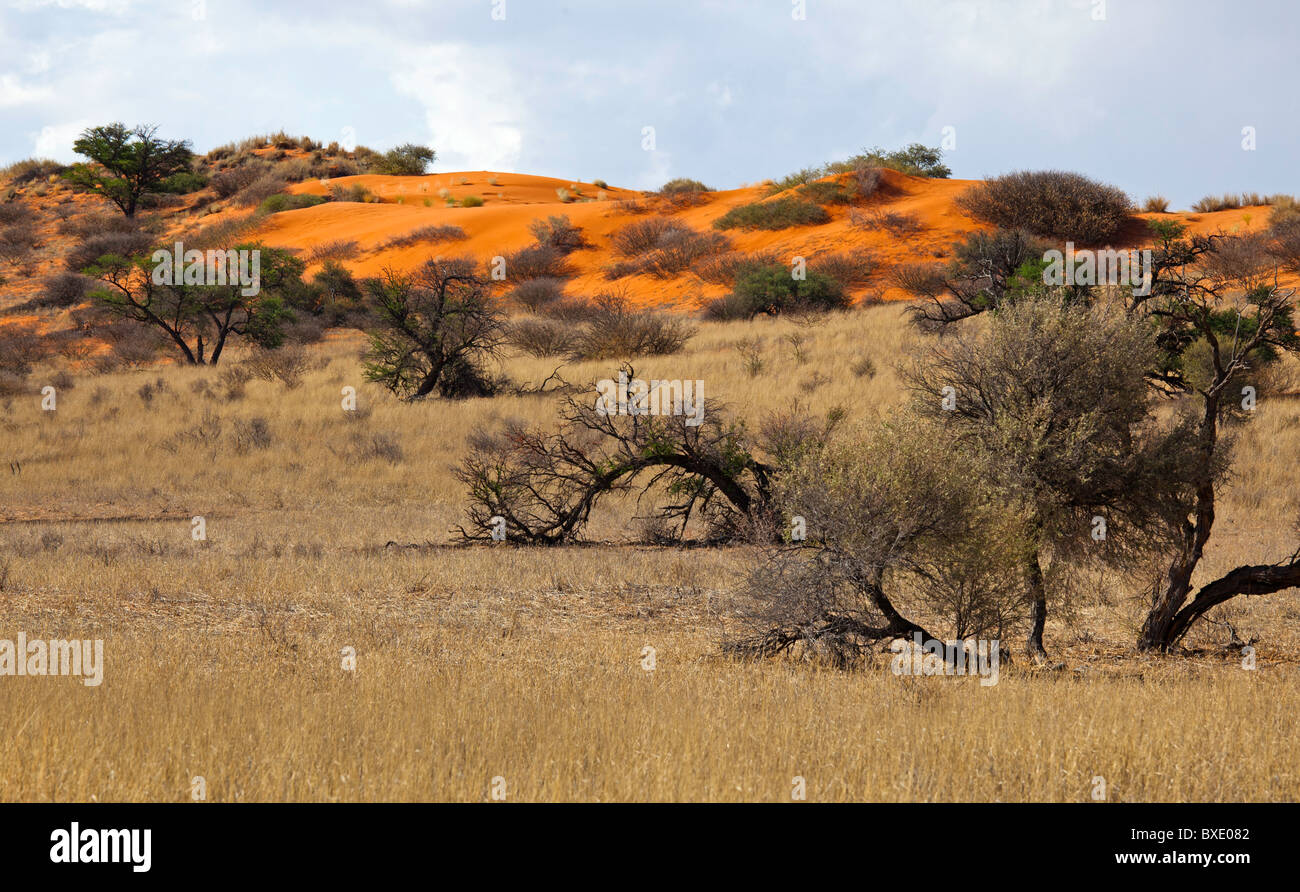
<point x="515" y="200"/>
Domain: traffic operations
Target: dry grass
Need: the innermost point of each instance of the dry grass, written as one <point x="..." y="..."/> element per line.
<point x="224" y="657"/>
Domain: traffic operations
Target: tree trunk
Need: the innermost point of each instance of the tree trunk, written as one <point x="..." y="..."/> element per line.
<point x="1038" y="614"/>
<point x="1158" y="630"/>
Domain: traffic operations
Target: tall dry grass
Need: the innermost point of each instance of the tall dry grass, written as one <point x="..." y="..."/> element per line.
<point x="328" y="530"/>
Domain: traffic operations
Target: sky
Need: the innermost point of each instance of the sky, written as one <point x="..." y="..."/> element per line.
<point x="1154" y="96"/>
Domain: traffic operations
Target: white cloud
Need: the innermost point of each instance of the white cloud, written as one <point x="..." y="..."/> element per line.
<point x="471" y="103"/>
<point x="14" y="93"/>
<point x="55" y="140"/>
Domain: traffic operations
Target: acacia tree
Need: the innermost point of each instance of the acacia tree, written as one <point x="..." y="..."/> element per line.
<point x="198" y="317"/>
<point x="126" y="163"/>
<point x="881" y="526"/>
<point x="1053" y="397"/>
<point x="1216" y="329"/>
<point x="544" y="485"/>
<point x="439" y="326"/>
<point x="1221" y="316"/>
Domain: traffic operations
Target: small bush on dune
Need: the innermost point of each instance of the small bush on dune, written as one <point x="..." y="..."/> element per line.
<point x="916" y="160"/>
<point x="536" y="262"/>
<point x="728" y="308"/>
<point x="557" y="232"/>
<point x="663" y="247"/>
<point x="850" y="269"/>
<point x="1156" y="204"/>
<point x="644" y="235"/>
<point x="184" y="183"/>
<point x="825" y="192"/>
<point x="12" y="213"/>
<point x="896" y="223"/>
<point x="444" y="233"/>
<point x="679" y="251"/>
<point x="222" y="233"/>
<point x="796" y="179"/>
<point x="722" y="269"/>
<point x="227" y="183"/>
<point x="32" y="170"/>
<point x="342" y="249"/>
<point x="1284" y="241"/>
<point x="260" y="189"/>
<point x="123" y="244"/>
<point x="617" y="331"/>
<point x="1212" y="203"/>
<point x="780" y="213"/>
<point x="17" y="240"/>
<point x="471" y="201"/>
<point x="1050" y="203"/>
<point x="65" y="289"/>
<point x="408" y="159"/>
<point x="289" y="202"/>
<point x="680" y="185"/>
<point x="536" y="294"/>
<point x="354" y="192"/>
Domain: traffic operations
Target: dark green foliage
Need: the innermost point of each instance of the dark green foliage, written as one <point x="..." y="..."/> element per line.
<point x="126" y="164"/>
<point x="779" y="213"/>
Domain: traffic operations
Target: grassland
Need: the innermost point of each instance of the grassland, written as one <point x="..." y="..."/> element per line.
<point x="330" y="530"/>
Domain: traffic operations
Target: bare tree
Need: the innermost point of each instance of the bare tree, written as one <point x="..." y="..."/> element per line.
<point x="438" y="327"/>
<point x="544" y="485"/>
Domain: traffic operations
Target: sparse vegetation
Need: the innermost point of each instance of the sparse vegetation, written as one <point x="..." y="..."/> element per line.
<point x="777" y="213"/>
<point x="1050" y="203"/>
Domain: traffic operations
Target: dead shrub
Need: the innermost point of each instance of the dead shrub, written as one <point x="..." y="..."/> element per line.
<point x="557" y="232"/>
<point x="536" y="262"/>
<point x="617" y="331"/>
<point x="541" y="337"/>
<point x="445" y="233"/>
<point x="1053" y="204"/>
<point x="342" y="249"/>
<point x="849" y="268"/>
<point x="536" y="294"/>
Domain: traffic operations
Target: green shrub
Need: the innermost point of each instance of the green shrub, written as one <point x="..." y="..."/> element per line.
<point x="916" y="160"/>
<point x="471" y="201"/>
<point x="825" y="192"/>
<point x="1053" y="204"/>
<point x="286" y="202"/>
<point x="408" y="159"/>
<point x="682" y="185"/>
<point x="184" y="183"/>
<point x="774" y="290"/>
<point x="780" y="213"/>
<point x="798" y="178"/>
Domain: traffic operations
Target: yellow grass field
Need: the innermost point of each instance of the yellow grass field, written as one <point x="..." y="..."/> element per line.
<point x="224" y="658"/>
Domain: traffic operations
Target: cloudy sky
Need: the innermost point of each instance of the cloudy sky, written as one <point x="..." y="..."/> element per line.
<point x="1151" y="95"/>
